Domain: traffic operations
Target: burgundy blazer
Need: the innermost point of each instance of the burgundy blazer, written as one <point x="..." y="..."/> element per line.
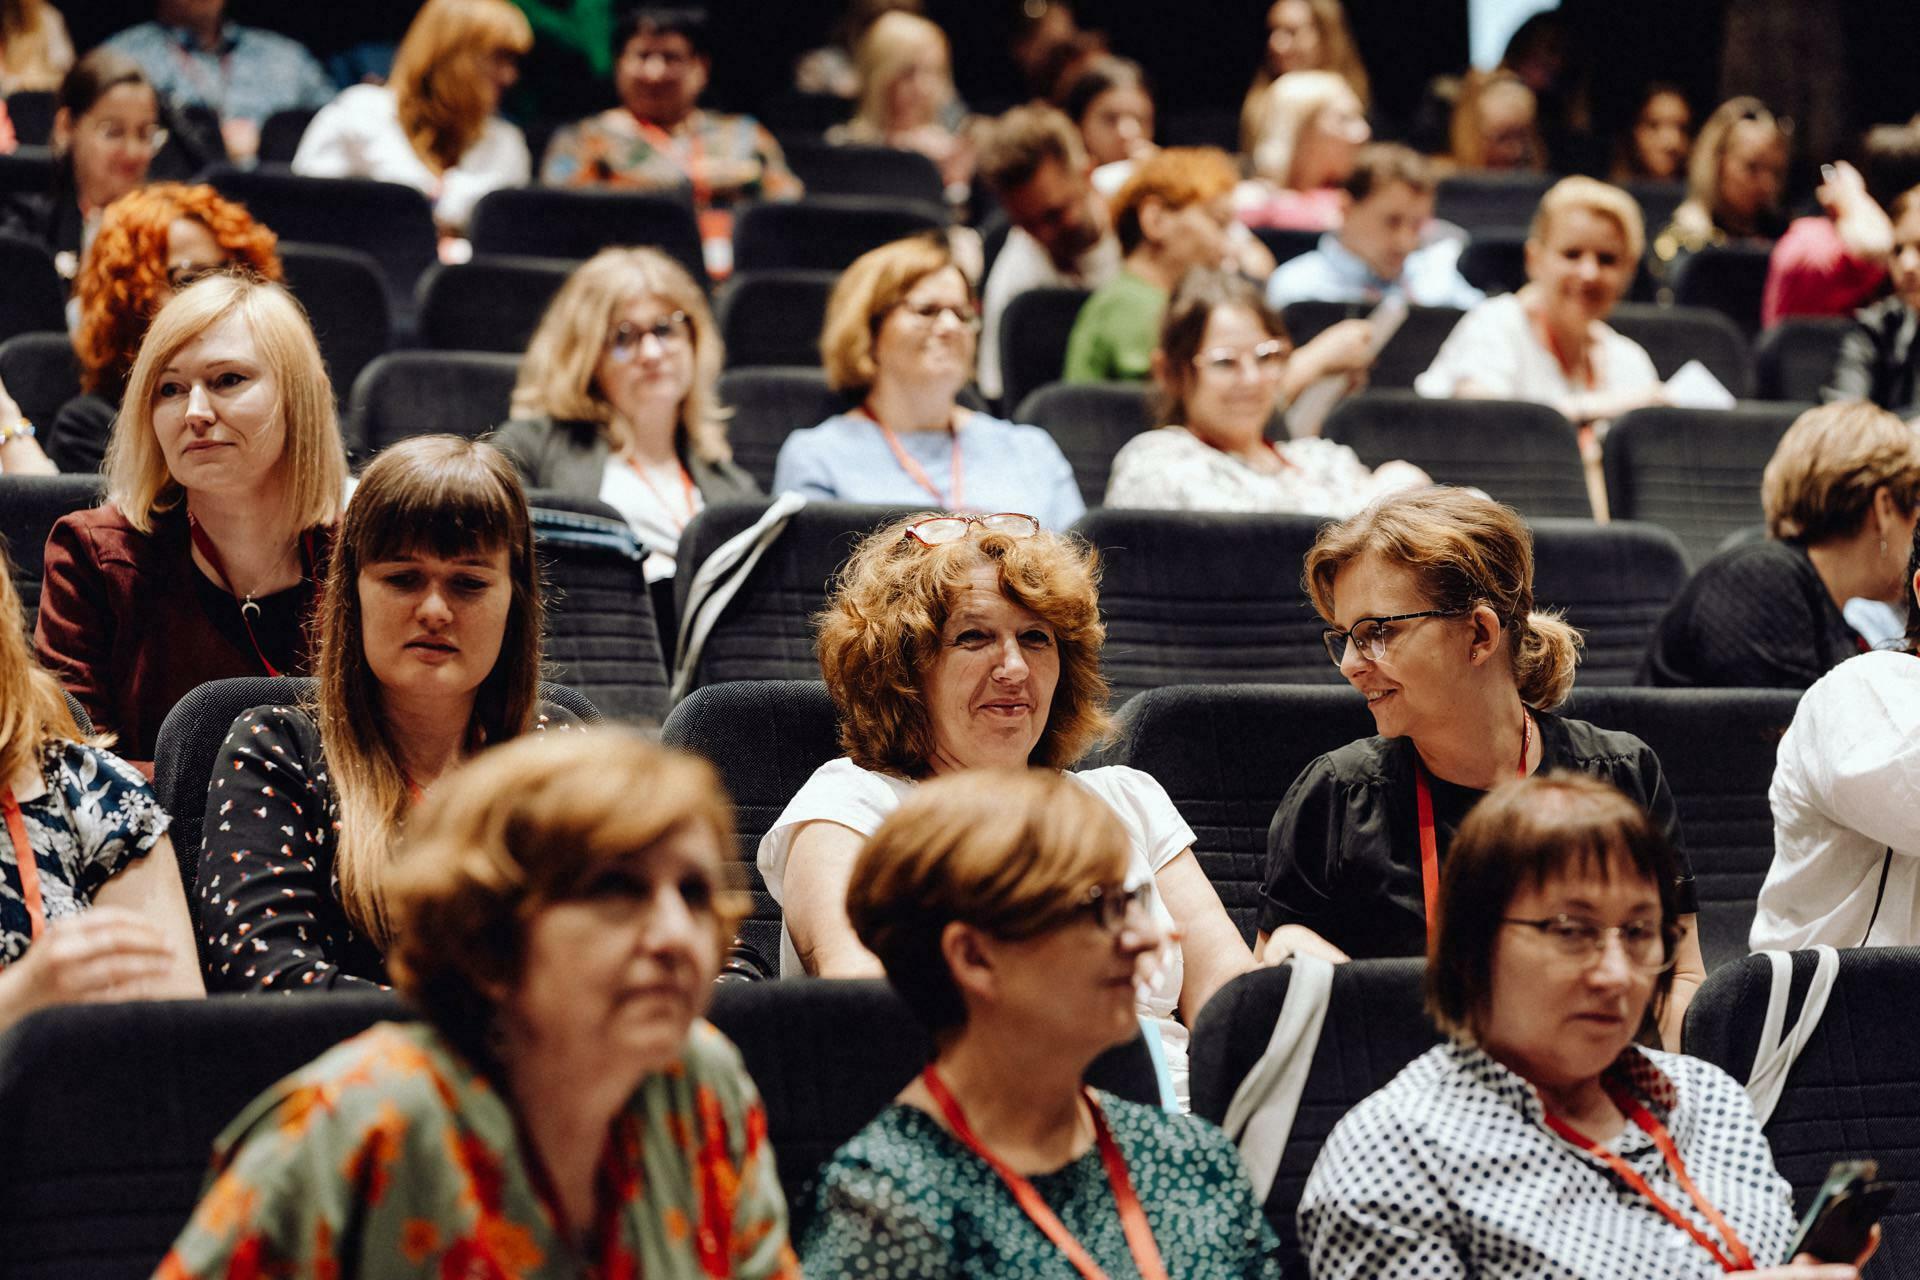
<point x="125" y="623"/>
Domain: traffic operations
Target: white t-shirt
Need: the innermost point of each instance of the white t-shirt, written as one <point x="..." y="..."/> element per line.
<point x="1023" y="264"/>
<point x="860" y="799"/>
<point x="1496" y="347"/>
<point x="1846" y="789"/>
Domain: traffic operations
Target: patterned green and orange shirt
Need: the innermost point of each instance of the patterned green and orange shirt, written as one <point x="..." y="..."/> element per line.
<point x="389" y="1155"/>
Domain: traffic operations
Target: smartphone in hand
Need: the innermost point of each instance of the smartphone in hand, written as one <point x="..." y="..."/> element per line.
<point x="1843" y="1213"/>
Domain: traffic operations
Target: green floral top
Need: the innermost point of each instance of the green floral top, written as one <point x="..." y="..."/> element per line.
<point x="388" y="1155"/>
<point x="904" y="1199"/>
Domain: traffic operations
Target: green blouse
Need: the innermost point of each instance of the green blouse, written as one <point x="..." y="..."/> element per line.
<point x="389" y="1155"/>
<point x="904" y="1199"/>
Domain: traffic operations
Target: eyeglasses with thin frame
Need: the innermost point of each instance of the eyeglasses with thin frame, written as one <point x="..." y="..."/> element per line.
<point x="1647" y="944"/>
<point x="148" y="138"/>
<point x="927" y="314"/>
<point x="1110" y="906"/>
<point x="672" y="332"/>
<point x="1269" y="359"/>
<point x="1370" y="635"/>
<point x="940" y="530"/>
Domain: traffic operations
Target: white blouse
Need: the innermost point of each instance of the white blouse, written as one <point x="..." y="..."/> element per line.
<point x="1172" y="469"/>
<point x="1497" y="347"/>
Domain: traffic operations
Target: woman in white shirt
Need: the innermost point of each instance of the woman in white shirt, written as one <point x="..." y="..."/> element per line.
<point x="432" y="125"/>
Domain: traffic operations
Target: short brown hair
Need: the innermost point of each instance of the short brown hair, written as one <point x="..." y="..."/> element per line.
<point x="521" y="826"/>
<point x="1175" y="176"/>
<point x="1201" y="293"/>
<point x="1465" y="550"/>
<point x="878" y="281"/>
<point x="1594" y="196"/>
<point x="1378" y="165"/>
<point x="1530" y="831"/>
<point x="880" y="633"/>
<point x="1016" y="144"/>
<point x="1820" y="481"/>
<point x="1007" y="851"/>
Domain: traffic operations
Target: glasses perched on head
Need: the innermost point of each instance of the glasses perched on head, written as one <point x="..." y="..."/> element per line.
<point x="1647" y="944"/>
<point x="671" y="332"/>
<point x="1109" y="905"/>
<point x="146" y="137"/>
<point x="1268" y="359"/>
<point x="927" y="314"/>
<point x="940" y="530"/>
<point x="1370" y="635"/>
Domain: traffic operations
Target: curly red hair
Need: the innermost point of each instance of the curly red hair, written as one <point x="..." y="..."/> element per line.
<point x="124" y="279"/>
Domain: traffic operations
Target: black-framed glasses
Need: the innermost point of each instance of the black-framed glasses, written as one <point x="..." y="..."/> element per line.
<point x="1370" y="635"/>
<point x="1647" y="944"/>
<point x="940" y="530"/>
<point x="671" y="331"/>
<point x="1109" y="905"/>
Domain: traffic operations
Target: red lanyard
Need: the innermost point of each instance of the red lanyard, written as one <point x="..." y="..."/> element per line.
<point x="211" y="554"/>
<point x="696" y="164"/>
<point x="1133" y="1219"/>
<point x="1429" y="846"/>
<point x="907" y="464"/>
<point x="1560" y="357"/>
<point x="687" y="493"/>
<point x="1735" y="1256"/>
<point x="29" y="869"/>
<point x="1286" y="463"/>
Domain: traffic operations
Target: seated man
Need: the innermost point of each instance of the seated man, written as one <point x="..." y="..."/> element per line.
<point x="1835" y="261"/>
<point x="1377" y="251"/>
<point x="195" y="57"/>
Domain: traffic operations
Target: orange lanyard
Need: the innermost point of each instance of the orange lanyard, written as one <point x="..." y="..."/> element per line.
<point x="1560" y="357"/>
<point x="1133" y="1219"/>
<point x="1286" y="463"/>
<point x="248" y="608"/>
<point x="1429" y="846"/>
<point x="696" y="163"/>
<point x="1735" y="1256"/>
<point x="687" y="493"/>
<point x="29" y="869"/>
<point x="955" y="488"/>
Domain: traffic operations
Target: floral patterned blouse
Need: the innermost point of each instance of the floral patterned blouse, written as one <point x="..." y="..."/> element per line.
<point x="96" y="815"/>
<point x="389" y="1155"/>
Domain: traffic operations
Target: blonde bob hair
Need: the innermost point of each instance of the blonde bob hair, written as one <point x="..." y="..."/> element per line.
<point x="313" y="459"/>
<point x="520" y="827"/>
<point x="880" y="633"/>
<point x="878" y="281"/>
<point x="1293" y="102"/>
<point x="438" y="71"/>
<point x="1710" y="152"/>
<point x="559" y="374"/>
<point x="1595" y="197"/>
<point x="33" y="708"/>
<point x="887" y="49"/>
<point x="1011" y="852"/>
<point x="1820" y="482"/>
<point x="1464" y="551"/>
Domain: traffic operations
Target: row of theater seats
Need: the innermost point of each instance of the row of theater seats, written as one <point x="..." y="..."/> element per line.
<point x="111" y="1110"/>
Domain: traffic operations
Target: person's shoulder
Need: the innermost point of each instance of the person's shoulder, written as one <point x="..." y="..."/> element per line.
<point x="1175" y="1139"/>
<point x="1158" y="445"/>
<point x="352" y="1087"/>
<point x="1880" y="674"/>
<point x="106" y="536"/>
<point x="1364" y="762"/>
<point x="1888" y="313"/>
<point x="91" y="764"/>
<point x="1018" y="436"/>
<point x="364" y="101"/>
<point x="1706" y="1088"/>
<point x="902" y="1144"/>
<point x="1405" y="1104"/>
<point x="262" y="39"/>
<point x="1117" y="782"/>
<point x="829" y="432"/>
<point x="1589" y="746"/>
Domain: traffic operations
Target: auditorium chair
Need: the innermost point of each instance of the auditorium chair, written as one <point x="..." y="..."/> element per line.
<point x="1495" y="261"/>
<point x="843" y="169"/>
<point x="29" y="508"/>
<point x="31" y="113"/>
<point x="34" y="300"/>
<point x="1033" y="339"/>
<point x="26" y="171"/>
<point x="1695" y="472"/>
<point x="280" y="134"/>
<point x="417" y="393"/>
<point x="1730" y="278"/>
<point x="1795" y="358"/>
<point x="40" y="373"/>
<point x="1490" y="201"/>
<point x="1614" y="581"/>
<point x="602" y="638"/>
<point x="1406" y="355"/>
<point x="1658" y="199"/>
<point x="488" y="304"/>
<point x="1673" y="336"/>
<point x="1287" y="243"/>
<point x="824" y="233"/>
<point x="769" y="404"/>
<point x="551" y="222"/>
<point x="1090" y="422"/>
<point x="775" y="317"/>
<point x="346" y="302"/>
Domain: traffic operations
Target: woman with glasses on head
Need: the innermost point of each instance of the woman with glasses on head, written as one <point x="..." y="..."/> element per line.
<point x="1541" y="1139"/>
<point x="1223" y="368"/>
<point x="1736" y="177"/>
<point x="954" y="643"/>
<point x="616" y="400"/>
<point x="1005" y="909"/>
<point x="900" y="336"/>
<point x="1428" y="597"/>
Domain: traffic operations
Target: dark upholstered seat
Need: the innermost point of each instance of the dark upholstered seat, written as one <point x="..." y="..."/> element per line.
<point x="346" y="301"/>
<point x="417" y="393"/>
<point x="1089" y="421"/>
<point x="34" y="300"/>
<point x="1406" y="355"/>
<point x="29" y="508"/>
<point x="602" y="640"/>
<point x="825" y="233"/>
<point x="548" y="222"/>
<point x="844" y="169"/>
<point x="1614" y="581"/>
<point x="1675" y="335"/>
<point x="1795" y="359"/>
<point x="40" y="373"/>
<point x="1730" y="278"/>
<point x="1033" y="340"/>
<point x="1695" y="472"/>
<point x="769" y="404"/>
<point x="1490" y="200"/>
<point x="774" y="317"/>
<point x="488" y="304"/>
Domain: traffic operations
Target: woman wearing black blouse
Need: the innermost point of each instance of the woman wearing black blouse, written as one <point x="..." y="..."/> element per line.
<point x="1430" y="597"/>
<point x="429" y="648"/>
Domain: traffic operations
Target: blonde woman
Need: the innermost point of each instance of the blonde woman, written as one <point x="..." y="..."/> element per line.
<point x="429" y="650"/>
<point x="1309" y="140"/>
<point x="1735" y="179"/>
<point x="906" y="96"/>
<point x="35" y="50"/>
<point x="224" y="477"/>
<point x="1496" y="124"/>
<point x="616" y="400"/>
<point x="90" y="903"/>
<point x="433" y="124"/>
<point x="1302" y="35"/>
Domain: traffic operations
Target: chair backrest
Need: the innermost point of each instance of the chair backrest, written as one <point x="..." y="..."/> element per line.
<point x="766" y="632"/>
<point x="417" y="393"/>
<point x="1730" y="278"/>
<point x="1495" y="260"/>
<point x="26" y="171"/>
<point x="346" y="299"/>
<point x="768" y="405"/>
<point x="1850" y="1093"/>
<point x="1089" y="421"/>
<point x="1205" y="598"/>
<point x="550" y="222"/>
<point x="1675" y="335"/>
<point x="1287" y="243"/>
<point x="1033" y="339"/>
<point x="892" y="173"/>
<point x="1614" y="581"/>
<point x="1526" y="455"/>
<point x="280" y="134"/>
<point x="1406" y="355"/>
<point x="32" y="112"/>
<point x="1490" y="201"/>
<point x="774" y="317"/>
<point x="40" y="373"/>
<point x="1658" y="200"/>
<point x="825" y="233"/>
<point x="1375" y="1026"/>
<point x="1695" y="472"/>
<point x="34" y="300"/>
<point x="488" y="304"/>
<point x="29" y="508"/>
<point x="1794" y="359"/>
<point x="602" y="638"/>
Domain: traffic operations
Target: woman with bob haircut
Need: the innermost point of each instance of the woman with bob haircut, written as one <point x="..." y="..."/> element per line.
<point x="561" y="1108"/>
<point x="1532" y="1141"/>
<point x="900" y="337"/>
<point x="1302" y="35"/>
<point x="616" y="399"/>
<point x="1005" y="909"/>
<point x="224" y="477"/>
<point x="906" y="97"/>
<point x="1842" y="494"/>
<point x="1428" y="597"/>
<point x="964" y="642"/>
<point x="90" y="901"/>
<point x="1735" y="178"/>
<point x="433" y="126"/>
<point x="1310" y="134"/>
<point x="428" y="650"/>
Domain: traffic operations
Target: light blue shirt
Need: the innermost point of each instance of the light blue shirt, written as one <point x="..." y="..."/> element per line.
<point x="1003" y="467"/>
<point x="1430" y="277"/>
<point x="253" y="73"/>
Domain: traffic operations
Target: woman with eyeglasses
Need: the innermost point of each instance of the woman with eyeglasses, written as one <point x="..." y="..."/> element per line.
<point x="1735" y="179"/>
<point x="955" y="643"/>
<point x="1541" y="1139"/>
<point x="1222" y="367"/>
<point x="900" y="337"/>
<point x="1005" y="909"/>
<point x="616" y="400"/>
<point x="1428" y="597"/>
